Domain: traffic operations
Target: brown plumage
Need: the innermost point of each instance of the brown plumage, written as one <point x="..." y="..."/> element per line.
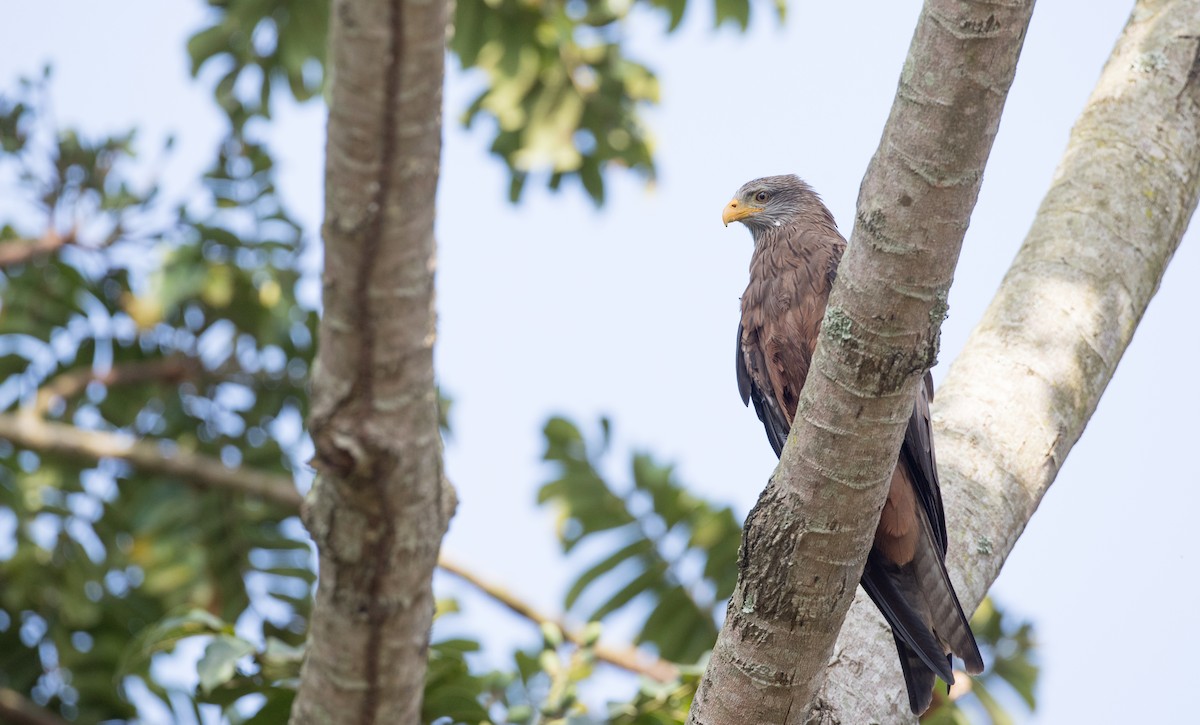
<point x="797" y="249"/>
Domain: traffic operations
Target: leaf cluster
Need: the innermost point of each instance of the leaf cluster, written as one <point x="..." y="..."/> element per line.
<point x="667" y="547"/>
<point x="177" y="325"/>
<point x="231" y="668"/>
<point x="542" y="687"/>
<point x="262" y="44"/>
<point x="561" y="92"/>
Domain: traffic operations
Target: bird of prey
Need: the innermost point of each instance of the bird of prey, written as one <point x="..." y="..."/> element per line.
<point x="797" y="249"/>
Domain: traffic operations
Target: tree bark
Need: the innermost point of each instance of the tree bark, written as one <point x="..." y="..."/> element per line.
<point x="380" y="504"/>
<point x="807" y="538"/>
<point x="1033" y="370"/>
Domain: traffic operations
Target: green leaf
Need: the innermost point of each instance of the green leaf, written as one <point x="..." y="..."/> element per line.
<point x="205" y="44"/>
<point x="552" y="635"/>
<point x="528" y="665"/>
<point x="219" y="663"/>
<point x="451" y="690"/>
<point x="674" y="9"/>
<point x="637" y="547"/>
<point x="639" y="584"/>
<point x="1021" y="675"/>
<point x="680" y="629"/>
<point x="733" y="11"/>
<point x="281" y="655"/>
<point x="671" y="501"/>
<point x="163" y="636"/>
<point x="593" y="181"/>
<point x="458" y="646"/>
<point x="275" y="710"/>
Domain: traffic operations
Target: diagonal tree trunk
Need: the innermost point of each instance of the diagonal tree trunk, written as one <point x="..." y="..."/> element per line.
<point x="807" y="538"/>
<point x="1033" y="371"/>
<point x="380" y="505"/>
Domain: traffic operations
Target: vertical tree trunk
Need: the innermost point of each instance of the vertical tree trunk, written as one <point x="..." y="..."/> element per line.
<point x="1033" y="370"/>
<point x="380" y="505"/>
<point x="807" y="538"/>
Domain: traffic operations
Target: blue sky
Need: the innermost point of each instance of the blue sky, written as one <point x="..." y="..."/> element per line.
<point x="631" y="311"/>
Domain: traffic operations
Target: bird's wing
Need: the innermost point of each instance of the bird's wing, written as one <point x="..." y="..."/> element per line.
<point x="917" y="452"/>
<point x="756" y="388"/>
<point x="782" y="310"/>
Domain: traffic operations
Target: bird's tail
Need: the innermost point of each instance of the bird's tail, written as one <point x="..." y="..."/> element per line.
<point x="927" y="622"/>
<point x="896" y="591"/>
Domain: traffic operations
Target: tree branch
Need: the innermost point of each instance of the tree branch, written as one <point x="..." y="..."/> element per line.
<point x="19" y="251"/>
<point x="70" y="384"/>
<point x="1018" y="398"/>
<point x="197" y="469"/>
<point x="627" y="658"/>
<point x="16" y="709"/>
<point x="806" y="540"/>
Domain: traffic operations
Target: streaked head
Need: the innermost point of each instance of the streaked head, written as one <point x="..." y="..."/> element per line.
<point x="772" y="201"/>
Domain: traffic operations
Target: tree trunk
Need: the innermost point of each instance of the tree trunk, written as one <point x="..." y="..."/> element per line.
<point x="807" y="538"/>
<point x="1033" y="370"/>
<point x="380" y="505"/>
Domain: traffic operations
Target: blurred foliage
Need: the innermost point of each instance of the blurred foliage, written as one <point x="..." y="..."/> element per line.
<point x="659" y="704"/>
<point x="179" y="325"/>
<point x="231" y="668"/>
<point x="542" y="687"/>
<point x="670" y="550"/>
<point x="262" y="44"/>
<point x="561" y="92"/>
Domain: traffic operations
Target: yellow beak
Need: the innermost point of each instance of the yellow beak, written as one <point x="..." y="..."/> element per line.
<point x="735" y="211"/>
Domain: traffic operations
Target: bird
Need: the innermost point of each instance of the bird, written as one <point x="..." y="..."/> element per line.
<point x="797" y="250"/>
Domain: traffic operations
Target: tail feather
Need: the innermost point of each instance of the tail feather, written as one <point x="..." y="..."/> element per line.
<point x="896" y="592"/>
<point x="918" y="679"/>
<point x="946" y="617"/>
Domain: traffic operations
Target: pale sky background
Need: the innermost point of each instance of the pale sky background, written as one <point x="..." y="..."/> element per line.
<point x="631" y="311"/>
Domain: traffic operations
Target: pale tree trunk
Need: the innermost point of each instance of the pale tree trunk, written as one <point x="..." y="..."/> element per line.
<point x="1033" y="371"/>
<point x="380" y="504"/>
<point x="807" y="538"/>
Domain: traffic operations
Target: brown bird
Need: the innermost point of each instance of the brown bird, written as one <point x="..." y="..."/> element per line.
<point x="797" y="249"/>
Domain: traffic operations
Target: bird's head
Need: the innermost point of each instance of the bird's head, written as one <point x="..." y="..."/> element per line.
<point x="769" y="202"/>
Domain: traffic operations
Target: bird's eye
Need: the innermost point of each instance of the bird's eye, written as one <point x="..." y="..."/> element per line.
<point x="762" y="196"/>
